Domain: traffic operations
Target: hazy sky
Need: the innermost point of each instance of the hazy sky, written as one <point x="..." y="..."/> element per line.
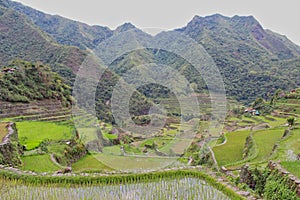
<point x="280" y="16"/>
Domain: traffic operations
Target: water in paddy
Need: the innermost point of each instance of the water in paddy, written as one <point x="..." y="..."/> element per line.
<point x="185" y="188"/>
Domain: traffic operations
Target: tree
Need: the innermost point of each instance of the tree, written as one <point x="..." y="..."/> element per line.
<point x="258" y="103"/>
<point x="291" y="121"/>
<point x="275" y="97"/>
<point x="44" y="146"/>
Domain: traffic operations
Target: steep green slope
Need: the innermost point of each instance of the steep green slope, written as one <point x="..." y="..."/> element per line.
<point x="240" y="38"/>
<point x="64" y="31"/>
<point x="251" y="59"/>
<point x="21" y="39"/>
<point x="25" y="82"/>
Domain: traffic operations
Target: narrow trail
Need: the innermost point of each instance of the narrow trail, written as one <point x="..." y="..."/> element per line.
<point x="55" y="161"/>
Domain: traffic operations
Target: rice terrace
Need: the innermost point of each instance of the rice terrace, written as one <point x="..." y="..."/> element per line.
<point x="206" y="111"/>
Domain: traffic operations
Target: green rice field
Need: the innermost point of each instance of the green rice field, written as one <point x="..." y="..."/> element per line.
<point x="185" y="188"/>
<point x="31" y="133"/>
<point x="232" y="150"/>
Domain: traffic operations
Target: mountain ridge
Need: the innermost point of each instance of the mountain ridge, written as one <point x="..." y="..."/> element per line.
<point x="246" y="53"/>
<point x="93" y="35"/>
<point x="58" y="27"/>
<point x="246" y="26"/>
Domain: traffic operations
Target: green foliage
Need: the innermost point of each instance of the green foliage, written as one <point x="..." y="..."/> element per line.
<point x="138" y="104"/>
<point x="270" y="184"/>
<point x="249" y="145"/>
<point x="262" y="106"/>
<point x="243" y="57"/>
<point x="260" y="179"/>
<point x="199" y="155"/>
<point x="28" y="82"/>
<point x="291" y="121"/>
<point x="278" y="187"/>
<point x="74" y="151"/>
<point x="22" y="39"/>
<point x="240" y="81"/>
<point x="10" y="150"/>
<point x="44" y="146"/>
<point x="253" y="61"/>
<point x="275" y="97"/>
<point x="63" y="30"/>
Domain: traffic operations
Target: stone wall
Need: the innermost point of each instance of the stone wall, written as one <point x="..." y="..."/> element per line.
<point x="10" y="148"/>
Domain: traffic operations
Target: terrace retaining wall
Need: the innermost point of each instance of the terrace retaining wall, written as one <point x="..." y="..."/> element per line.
<point x="10" y="148"/>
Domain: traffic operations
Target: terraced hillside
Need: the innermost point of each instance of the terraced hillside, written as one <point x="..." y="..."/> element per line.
<point x="31" y="91"/>
<point x="267" y="137"/>
<point x="45" y="110"/>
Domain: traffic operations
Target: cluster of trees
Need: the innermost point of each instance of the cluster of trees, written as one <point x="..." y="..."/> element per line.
<point x="24" y="82"/>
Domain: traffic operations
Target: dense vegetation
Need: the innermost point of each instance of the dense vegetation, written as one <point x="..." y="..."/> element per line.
<point x="25" y="82"/>
<point x="138" y="104"/>
<point x="270" y="185"/>
<point x="255" y="64"/>
<point x="64" y="31"/>
<point x="246" y="54"/>
<point x="22" y="39"/>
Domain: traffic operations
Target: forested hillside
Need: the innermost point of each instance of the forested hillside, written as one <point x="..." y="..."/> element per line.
<point x="62" y="30"/>
<point x="19" y="38"/>
<point x="253" y="61"/>
<point x="25" y="82"/>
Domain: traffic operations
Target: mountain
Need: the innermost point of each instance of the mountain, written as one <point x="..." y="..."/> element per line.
<point x="252" y="60"/>
<point x="19" y="38"/>
<point x="239" y="36"/>
<point x="124" y="27"/>
<point x="63" y="31"/>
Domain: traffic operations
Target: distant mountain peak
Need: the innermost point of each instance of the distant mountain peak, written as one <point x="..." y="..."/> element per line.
<point x="249" y="17"/>
<point x="217" y="16"/>
<point x="124" y="27"/>
<point x="238" y="31"/>
<point x="245" y="20"/>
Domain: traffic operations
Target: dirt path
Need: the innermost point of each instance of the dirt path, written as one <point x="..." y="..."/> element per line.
<point x="55" y="161"/>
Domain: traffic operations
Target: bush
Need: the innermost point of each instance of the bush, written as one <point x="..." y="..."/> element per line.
<point x="278" y="187"/>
